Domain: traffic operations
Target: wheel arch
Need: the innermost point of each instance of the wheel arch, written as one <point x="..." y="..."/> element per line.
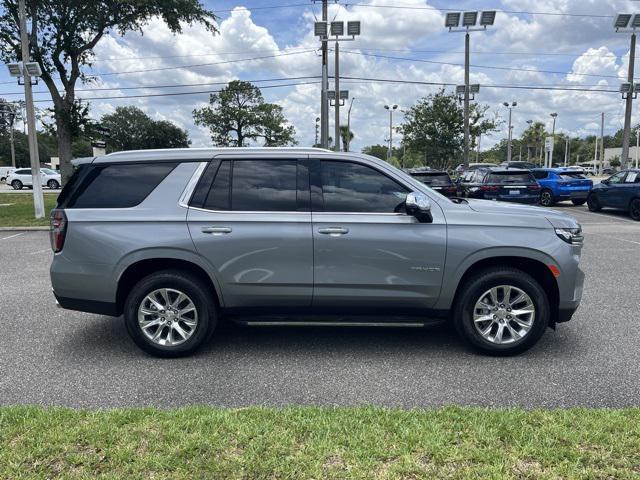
<point x="534" y="267"/>
<point x="141" y="267"/>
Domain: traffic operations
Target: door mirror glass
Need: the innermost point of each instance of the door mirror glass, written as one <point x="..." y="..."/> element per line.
<point x="419" y="205"/>
<point x="605" y="181"/>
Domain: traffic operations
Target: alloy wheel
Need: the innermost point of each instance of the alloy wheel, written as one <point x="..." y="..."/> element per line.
<point x="167" y="317"/>
<point x="504" y="314"/>
<point x="634" y="209"/>
<point x="546" y="199"/>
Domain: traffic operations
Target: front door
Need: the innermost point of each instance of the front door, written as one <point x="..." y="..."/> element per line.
<point x="250" y="219"/>
<point x="367" y="251"/>
<point x="612" y="194"/>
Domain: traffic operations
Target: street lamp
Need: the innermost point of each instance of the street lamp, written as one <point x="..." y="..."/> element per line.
<point x="391" y="108"/>
<point x="549" y="162"/>
<point x="336" y="30"/>
<point x="468" y="22"/>
<point x="510" y="106"/>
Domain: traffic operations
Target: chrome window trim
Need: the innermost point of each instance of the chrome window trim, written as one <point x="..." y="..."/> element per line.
<point x="191" y="185"/>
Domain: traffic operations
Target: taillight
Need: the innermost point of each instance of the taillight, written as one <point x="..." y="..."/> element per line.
<point x="489" y="188"/>
<point x="58" y="229"/>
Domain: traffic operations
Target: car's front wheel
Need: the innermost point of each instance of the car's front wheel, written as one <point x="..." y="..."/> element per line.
<point x="546" y="198"/>
<point x="593" y="203"/>
<point x="17" y="185"/>
<point x="53" y="184"/>
<point x="501" y="311"/>
<point x="170" y="313"/>
<point x="634" y="209"/>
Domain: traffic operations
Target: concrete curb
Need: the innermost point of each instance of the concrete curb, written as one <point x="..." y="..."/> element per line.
<point x="24" y="229"/>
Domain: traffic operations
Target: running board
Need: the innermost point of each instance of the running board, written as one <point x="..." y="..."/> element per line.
<point x="294" y="323"/>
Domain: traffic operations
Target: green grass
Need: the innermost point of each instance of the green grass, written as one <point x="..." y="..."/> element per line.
<point x="319" y="443"/>
<point x="16" y="209"/>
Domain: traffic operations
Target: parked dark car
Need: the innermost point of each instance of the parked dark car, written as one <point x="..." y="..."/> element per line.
<point x="559" y="184"/>
<point x="438" y="180"/>
<point x="608" y="171"/>
<point x="620" y="191"/>
<point x="498" y="183"/>
<point x="519" y="164"/>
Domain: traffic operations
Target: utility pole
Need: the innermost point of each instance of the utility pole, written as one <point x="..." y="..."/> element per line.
<point x="324" y="101"/>
<point x="566" y="151"/>
<point x="509" y="136"/>
<point x="601" y="143"/>
<point x="317" y="130"/>
<point x="391" y="108"/>
<point x="348" y="145"/>
<point x="466" y="101"/>
<point x="637" y="145"/>
<point x="13" y="146"/>
<point x="595" y="154"/>
<point x="38" y="199"/>
<point x="337" y="88"/>
<point x="629" y="103"/>
<point x="478" y="147"/>
<point x="553" y="136"/>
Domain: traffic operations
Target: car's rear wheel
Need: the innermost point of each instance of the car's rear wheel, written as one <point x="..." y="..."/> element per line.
<point x="501" y="311"/>
<point x="53" y="184"/>
<point x="546" y="198"/>
<point x="170" y="313"/>
<point x="593" y="203"/>
<point x="17" y="185"/>
<point x="577" y="203"/>
<point x="634" y="209"/>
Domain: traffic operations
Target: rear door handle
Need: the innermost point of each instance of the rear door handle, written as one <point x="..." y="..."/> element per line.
<point x="216" y="230"/>
<point x="334" y="231"/>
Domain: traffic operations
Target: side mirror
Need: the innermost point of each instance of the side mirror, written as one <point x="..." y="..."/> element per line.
<point x="606" y="181"/>
<point x="419" y="205"/>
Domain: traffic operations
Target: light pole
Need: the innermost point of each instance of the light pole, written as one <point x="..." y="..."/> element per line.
<point x="620" y="24"/>
<point x="348" y="145"/>
<point x="510" y="107"/>
<point x="321" y="30"/>
<point x="566" y="151"/>
<point x="469" y="20"/>
<point x="27" y="69"/>
<point x="391" y="108"/>
<point x="554" y="115"/>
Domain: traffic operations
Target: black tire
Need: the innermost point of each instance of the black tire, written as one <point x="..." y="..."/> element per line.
<point x="192" y="286"/>
<point x="577" y="203"/>
<point x="634" y="209"/>
<point x="546" y="198"/>
<point x="471" y="292"/>
<point x="593" y="203"/>
<point x="53" y="184"/>
<point x="17" y="185"/>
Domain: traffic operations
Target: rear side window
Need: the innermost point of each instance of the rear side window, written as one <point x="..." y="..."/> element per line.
<point x="506" y="177"/>
<point x="115" y="185"/>
<point x="573" y="175"/>
<point x="540" y="175"/>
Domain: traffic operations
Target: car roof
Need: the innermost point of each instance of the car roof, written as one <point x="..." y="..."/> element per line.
<point x="559" y="169"/>
<point x="429" y="172"/>
<point x="195" y="154"/>
<point x="506" y="170"/>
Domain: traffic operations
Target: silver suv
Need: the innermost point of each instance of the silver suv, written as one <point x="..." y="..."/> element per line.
<point x="179" y="240"/>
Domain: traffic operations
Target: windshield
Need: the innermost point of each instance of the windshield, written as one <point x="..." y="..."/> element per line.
<point x="508" y="177"/>
<point x="572" y="175"/>
<point x="433" y="179"/>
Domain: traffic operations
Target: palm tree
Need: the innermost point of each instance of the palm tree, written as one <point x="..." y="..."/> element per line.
<point x="346" y="135"/>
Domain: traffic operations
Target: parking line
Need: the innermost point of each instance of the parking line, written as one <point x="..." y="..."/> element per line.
<point x="12" y="236"/>
<point x="615" y="238"/>
<point x="601" y="216"/>
<point x="40" y="251"/>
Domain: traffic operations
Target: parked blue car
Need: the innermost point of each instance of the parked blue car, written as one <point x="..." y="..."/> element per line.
<point x="559" y="184"/>
<point x="620" y="191"/>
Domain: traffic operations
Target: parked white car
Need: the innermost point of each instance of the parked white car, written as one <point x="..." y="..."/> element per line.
<point x="22" y="178"/>
<point x="4" y="173"/>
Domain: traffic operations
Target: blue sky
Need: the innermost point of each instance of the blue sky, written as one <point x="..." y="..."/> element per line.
<point x="522" y="50"/>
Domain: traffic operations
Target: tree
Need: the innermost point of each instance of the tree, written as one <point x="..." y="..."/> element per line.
<point x="238" y="113"/>
<point x="346" y="135"/>
<point x="132" y="129"/>
<point x="64" y="34"/>
<point x="435" y="126"/>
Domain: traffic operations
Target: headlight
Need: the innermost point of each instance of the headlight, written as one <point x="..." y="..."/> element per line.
<point x="571" y="235"/>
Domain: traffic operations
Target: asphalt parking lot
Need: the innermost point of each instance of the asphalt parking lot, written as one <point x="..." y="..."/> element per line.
<point x="50" y="356"/>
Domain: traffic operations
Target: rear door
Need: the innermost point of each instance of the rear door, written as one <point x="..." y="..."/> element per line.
<point x="250" y="218"/>
<point x="367" y="251"/>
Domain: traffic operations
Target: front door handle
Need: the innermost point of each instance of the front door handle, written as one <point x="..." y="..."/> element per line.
<point x="334" y="231"/>
<point x="216" y="230"/>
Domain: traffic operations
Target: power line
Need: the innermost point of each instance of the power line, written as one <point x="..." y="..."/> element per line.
<point x="489" y="67"/>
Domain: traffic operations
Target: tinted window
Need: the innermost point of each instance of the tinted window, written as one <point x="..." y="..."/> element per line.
<point x="219" y="195"/>
<point x="507" y="177"/>
<point x="23" y="172"/>
<point x="573" y="175"/>
<point x="118" y="185"/>
<point x="618" y="177"/>
<point x="264" y="185"/>
<point x="436" y="179"/>
<point x="540" y="175"/>
<point x="351" y="187"/>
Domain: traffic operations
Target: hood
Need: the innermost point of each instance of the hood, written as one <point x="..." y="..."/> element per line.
<point x="555" y="218"/>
